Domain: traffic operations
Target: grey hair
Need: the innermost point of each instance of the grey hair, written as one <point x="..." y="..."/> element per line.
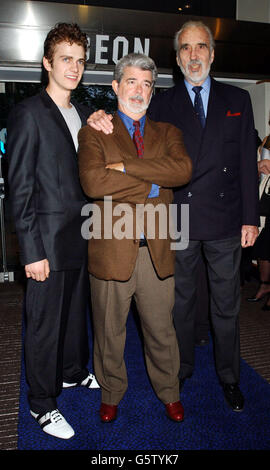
<point x="191" y="24"/>
<point x="135" y="59"/>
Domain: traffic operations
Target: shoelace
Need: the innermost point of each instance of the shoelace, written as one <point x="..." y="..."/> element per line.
<point x="56" y="416"/>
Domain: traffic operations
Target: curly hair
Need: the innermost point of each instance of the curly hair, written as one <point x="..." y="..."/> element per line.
<point x="67" y="32"/>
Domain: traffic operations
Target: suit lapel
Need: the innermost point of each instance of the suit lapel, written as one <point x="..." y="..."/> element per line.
<point x="189" y="123"/>
<point x="216" y="115"/>
<point x="184" y="115"/>
<point x="82" y="115"/>
<point x="122" y="138"/>
<point x="151" y="139"/>
<point x="58" y="118"/>
<point x="183" y="107"/>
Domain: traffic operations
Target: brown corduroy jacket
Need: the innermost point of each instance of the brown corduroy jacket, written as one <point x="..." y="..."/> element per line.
<point x="118" y="221"/>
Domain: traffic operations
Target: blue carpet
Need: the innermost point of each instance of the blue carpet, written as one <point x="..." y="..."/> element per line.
<point x="142" y="425"/>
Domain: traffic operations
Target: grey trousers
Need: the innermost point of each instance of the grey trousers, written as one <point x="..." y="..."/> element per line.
<point x="110" y="305"/>
<point x="223" y="262"/>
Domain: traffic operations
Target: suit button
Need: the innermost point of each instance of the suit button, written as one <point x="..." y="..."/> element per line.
<point x="221" y="195"/>
<point x="189" y="194"/>
<point x="225" y="169"/>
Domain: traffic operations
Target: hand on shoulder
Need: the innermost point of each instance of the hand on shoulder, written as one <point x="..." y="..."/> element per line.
<point x="101" y="121"/>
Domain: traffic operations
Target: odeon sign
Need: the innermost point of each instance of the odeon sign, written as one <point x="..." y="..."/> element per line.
<point x="107" y="49"/>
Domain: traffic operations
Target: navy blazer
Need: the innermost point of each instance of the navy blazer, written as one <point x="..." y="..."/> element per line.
<point x="223" y="192"/>
<point x="45" y="192"/>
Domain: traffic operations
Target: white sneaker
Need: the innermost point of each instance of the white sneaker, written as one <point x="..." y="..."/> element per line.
<point x="89" y="382"/>
<point x="54" y="423"/>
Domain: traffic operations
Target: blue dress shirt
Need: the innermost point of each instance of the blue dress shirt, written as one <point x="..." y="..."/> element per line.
<point x="204" y="92"/>
<point x="129" y="125"/>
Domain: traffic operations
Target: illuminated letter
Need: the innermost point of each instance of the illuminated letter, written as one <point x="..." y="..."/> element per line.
<point x="100" y="48"/>
<point x="139" y="48"/>
<point x="116" y="48"/>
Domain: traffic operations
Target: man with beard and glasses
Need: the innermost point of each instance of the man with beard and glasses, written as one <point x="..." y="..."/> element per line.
<point x="135" y="166"/>
<point x="218" y="128"/>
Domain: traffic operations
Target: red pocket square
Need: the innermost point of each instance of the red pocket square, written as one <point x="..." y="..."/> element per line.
<point x="233" y="114"/>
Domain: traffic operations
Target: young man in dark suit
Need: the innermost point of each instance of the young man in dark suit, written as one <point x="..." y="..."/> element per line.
<point x="46" y="200"/>
<point x="217" y="124"/>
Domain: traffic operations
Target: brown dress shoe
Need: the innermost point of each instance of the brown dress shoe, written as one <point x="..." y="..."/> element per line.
<point x="175" y="411"/>
<point x="107" y="413"/>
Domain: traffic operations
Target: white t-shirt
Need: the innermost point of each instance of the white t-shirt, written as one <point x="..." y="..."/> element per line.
<point x="73" y="121"/>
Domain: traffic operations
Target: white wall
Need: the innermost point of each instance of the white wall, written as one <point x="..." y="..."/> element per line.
<point x="253" y="10"/>
<point x="260" y="97"/>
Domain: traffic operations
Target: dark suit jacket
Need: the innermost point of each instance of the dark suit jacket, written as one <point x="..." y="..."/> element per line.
<point x="223" y="192"/>
<point x="45" y="191"/>
<point x="165" y="163"/>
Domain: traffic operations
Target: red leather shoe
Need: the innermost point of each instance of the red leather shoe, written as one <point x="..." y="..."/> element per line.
<point x="175" y="411"/>
<point x="107" y="413"/>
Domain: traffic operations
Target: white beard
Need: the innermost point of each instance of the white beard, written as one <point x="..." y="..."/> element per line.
<point x="195" y="77"/>
<point x="132" y="107"/>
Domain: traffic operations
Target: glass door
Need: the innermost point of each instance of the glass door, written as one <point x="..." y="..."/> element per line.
<point x="94" y="96"/>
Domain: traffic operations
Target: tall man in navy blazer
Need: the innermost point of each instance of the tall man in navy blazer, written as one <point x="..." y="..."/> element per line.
<point x="222" y="197"/>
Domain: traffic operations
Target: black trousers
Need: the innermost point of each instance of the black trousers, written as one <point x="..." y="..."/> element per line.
<point x="202" y="325"/>
<point x="56" y="339"/>
<point x="223" y="261"/>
